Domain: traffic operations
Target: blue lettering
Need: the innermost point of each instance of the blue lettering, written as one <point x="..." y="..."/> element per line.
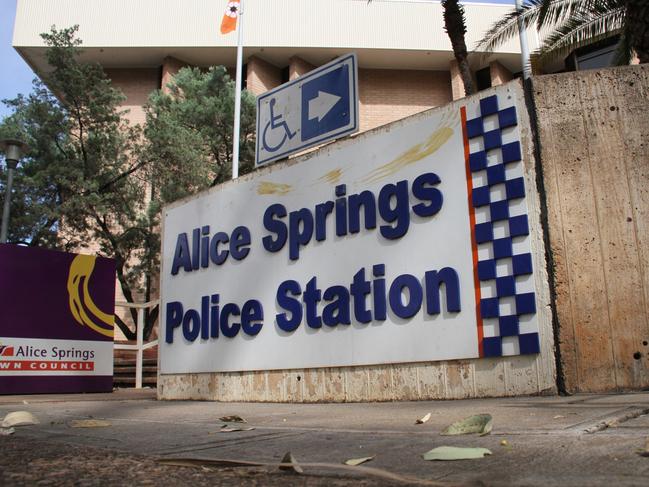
<point x="182" y="257"/>
<point x="239" y="244"/>
<point x="251" y="315"/>
<point x="415" y="296"/>
<point x="289" y="304"/>
<point x="174" y="319"/>
<point x="276" y="226"/>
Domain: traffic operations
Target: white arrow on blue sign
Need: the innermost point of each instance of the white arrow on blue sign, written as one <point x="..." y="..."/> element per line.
<point x="317" y="107"/>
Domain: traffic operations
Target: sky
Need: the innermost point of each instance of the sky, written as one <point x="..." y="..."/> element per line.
<point x="17" y="76"/>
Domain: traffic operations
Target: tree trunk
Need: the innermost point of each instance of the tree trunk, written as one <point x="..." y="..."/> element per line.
<point x="456" y="28"/>
<point x="637" y="21"/>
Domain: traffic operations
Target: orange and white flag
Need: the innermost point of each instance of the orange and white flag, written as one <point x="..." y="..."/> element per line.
<point x="230" y="17"/>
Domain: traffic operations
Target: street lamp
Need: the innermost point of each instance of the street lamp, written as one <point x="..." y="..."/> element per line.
<point x="12" y="149"/>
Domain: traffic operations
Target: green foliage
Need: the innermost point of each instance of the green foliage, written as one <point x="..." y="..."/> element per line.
<point x="91" y="179"/>
<point x="189" y="128"/>
<point x="571" y="24"/>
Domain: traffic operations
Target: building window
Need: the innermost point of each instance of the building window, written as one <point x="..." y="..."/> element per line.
<point x="483" y="78"/>
<point x="598" y="55"/>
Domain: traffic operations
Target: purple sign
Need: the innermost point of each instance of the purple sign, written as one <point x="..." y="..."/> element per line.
<point x="56" y="321"/>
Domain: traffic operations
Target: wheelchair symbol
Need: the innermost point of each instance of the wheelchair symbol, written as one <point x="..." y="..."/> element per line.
<point x="274" y="123"/>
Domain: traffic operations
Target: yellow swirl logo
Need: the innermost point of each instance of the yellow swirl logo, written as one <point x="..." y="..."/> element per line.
<point x="83" y="308"/>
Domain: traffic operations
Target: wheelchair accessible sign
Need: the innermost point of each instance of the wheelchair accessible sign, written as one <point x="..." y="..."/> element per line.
<point x="317" y="107"/>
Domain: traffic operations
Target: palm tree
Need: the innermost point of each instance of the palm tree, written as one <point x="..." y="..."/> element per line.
<point x="455" y="27"/>
<point x="576" y="23"/>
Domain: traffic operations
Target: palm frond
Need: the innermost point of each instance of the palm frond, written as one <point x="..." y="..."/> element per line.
<point x="543" y="14"/>
<point x="507" y="27"/>
<point x="579" y="30"/>
<point x="552" y="12"/>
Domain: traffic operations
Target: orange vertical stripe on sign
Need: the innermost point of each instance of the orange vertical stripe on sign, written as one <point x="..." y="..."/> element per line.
<point x="230" y="16"/>
<point x="474" y="245"/>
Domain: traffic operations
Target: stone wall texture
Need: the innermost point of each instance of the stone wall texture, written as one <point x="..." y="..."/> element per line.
<point x="594" y="145"/>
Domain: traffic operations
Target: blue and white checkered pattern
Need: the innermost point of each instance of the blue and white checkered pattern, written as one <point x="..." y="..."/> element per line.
<point x="507" y="304"/>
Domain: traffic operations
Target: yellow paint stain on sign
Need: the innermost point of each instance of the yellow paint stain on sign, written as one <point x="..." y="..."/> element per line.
<point x="332" y="176"/>
<point x="266" y="187"/>
<point x="412" y="155"/>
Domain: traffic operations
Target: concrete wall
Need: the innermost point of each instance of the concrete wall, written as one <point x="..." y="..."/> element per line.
<point x="594" y="139"/>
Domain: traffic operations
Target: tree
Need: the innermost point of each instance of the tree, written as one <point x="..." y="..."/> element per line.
<point x="455" y="26"/>
<point x="92" y="179"/>
<point x="576" y="23"/>
<point x="189" y="128"/>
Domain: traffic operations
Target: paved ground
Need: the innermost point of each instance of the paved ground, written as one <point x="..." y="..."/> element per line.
<point x="577" y="440"/>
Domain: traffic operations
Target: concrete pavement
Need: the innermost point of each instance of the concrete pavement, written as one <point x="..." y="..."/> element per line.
<point x="576" y="440"/>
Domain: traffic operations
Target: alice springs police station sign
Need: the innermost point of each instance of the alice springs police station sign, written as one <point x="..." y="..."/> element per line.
<point x="408" y="243"/>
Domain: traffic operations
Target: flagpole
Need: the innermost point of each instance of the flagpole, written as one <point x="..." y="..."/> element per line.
<point x="237" y="95"/>
<point x="522" y="35"/>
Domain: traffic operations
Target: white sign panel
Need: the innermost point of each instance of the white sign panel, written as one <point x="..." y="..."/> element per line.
<point x="45" y="357"/>
<point x="410" y="243"/>
<point x="312" y="109"/>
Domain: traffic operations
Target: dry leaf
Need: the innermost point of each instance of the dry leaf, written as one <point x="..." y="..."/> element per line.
<point x="89" y="423"/>
<point x="358" y="461"/>
<point x="558" y="416"/>
<point x="423" y="420"/>
<point x="479" y="423"/>
<point x="504" y="443"/>
<point x="644" y="452"/>
<point x="19" y="418"/>
<point x="7" y="431"/>
<point x="290" y="463"/>
<point x="204" y="462"/>
<point x="230" y="429"/>
<point x="232" y="419"/>
<point x="445" y="453"/>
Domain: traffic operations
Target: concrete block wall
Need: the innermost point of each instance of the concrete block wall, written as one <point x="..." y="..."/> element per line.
<point x="136" y="84"/>
<point x="298" y="66"/>
<point x="389" y="95"/>
<point x="499" y="73"/>
<point x="262" y="76"/>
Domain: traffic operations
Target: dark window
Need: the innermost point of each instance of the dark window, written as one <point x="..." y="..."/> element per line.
<point x="483" y="78"/>
<point x="597" y="55"/>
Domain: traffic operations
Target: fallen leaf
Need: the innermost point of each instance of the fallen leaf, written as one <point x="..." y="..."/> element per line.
<point x="644" y="452"/>
<point x="479" y="423"/>
<point x="504" y="443"/>
<point x="230" y="429"/>
<point x="232" y="419"/>
<point x="455" y="453"/>
<point x="290" y="463"/>
<point x="391" y="477"/>
<point x="89" y="423"/>
<point x="558" y="416"/>
<point x="25" y="402"/>
<point x="19" y="418"/>
<point x="423" y="420"/>
<point x="358" y="461"/>
<point x="7" y="431"/>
